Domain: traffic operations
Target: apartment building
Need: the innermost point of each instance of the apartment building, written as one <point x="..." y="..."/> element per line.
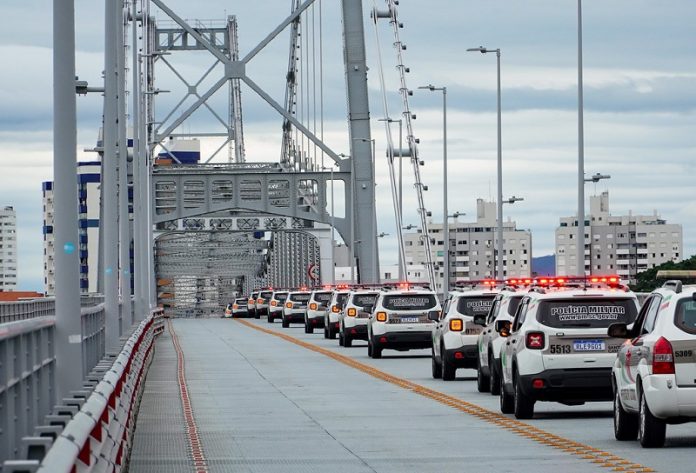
<point x="8" y="249"/>
<point x="473" y="247"/>
<point x="617" y="244"/>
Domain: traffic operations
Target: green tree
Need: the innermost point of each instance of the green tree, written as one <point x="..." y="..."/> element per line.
<point x="647" y="280"/>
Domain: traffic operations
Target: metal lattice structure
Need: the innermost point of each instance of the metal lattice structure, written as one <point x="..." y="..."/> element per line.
<point x="292" y="258"/>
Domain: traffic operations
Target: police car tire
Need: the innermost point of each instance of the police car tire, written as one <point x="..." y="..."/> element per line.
<point x="482" y="382"/>
<point x="326" y="331"/>
<point x="436" y="367"/>
<point x="340" y="339"/>
<point x="494" y="377"/>
<point x="507" y="405"/>
<point x="347" y="341"/>
<point x="332" y="334"/>
<point x="651" y="430"/>
<point x="448" y="371"/>
<point x="286" y="323"/>
<point x="270" y="319"/>
<point x="306" y="328"/>
<point x="625" y="423"/>
<point x="524" y="406"/>
<point x="257" y="314"/>
<point x="369" y="349"/>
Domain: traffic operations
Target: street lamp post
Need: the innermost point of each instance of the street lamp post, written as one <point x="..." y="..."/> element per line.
<point x="500" y="274"/>
<point x="445" y="225"/>
<point x="581" y="157"/>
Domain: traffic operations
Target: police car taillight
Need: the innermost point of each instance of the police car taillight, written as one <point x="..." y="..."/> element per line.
<point x="352" y="312"/>
<point x="663" y="358"/>
<point x="313" y="306"/>
<point x="274" y="303"/>
<point x="335" y="309"/>
<point x="288" y="305"/>
<point x="381" y="316"/>
<point x="456" y="325"/>
<point x="535" y="340"/>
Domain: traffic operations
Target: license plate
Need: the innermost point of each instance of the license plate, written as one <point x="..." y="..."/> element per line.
<point x="589" y="345"/>
<point x="409" y="320"/>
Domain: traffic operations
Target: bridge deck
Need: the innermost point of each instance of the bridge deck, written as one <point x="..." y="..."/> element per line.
<point x="263" y="404"/>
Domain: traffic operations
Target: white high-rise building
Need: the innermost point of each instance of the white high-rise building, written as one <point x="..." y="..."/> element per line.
<point x="617" y="244"/>
<point x="8" y="249"/>
<point x="473" y="247"/>
<point x="88" y="182"/>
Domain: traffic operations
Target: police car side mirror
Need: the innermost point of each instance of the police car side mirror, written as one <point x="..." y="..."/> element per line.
<point x="503" y="327"/>
<point x="434" y="315"/>
<point x="480" y="319"/>
<point x="618" y="330"/>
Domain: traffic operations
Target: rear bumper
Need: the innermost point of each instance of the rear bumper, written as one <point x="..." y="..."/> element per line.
<point x="669" y="403"/>
<point x="262" y="310"/>
<point x="411" y="340"/>
<point x="294" y="317"/>
<point x="569" y="385"/>
<point x="316" y="322"/>
<point x="240" y="313"/>
<point x="462" y="357"/>
<point x="357" y="332"/>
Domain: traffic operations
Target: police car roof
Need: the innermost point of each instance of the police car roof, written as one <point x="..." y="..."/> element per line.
<point x="565" y="293"/>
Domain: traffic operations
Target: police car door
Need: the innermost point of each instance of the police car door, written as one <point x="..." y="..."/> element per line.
<point x="489" y="330"/>
<point x="441" y="326"/>
<point x="515" y="342"/>
<point x="684" y="342"/>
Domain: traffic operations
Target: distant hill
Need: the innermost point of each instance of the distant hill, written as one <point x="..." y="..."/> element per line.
<point x="544" y="265"/>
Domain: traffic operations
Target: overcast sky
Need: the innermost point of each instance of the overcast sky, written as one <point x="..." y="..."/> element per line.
<point x="640" y="103"/>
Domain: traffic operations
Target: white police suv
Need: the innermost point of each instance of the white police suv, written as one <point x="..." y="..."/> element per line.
<point x="456" y="333"/>
<point x="557" y="347"/>
<point x="654" y="376"/>
<point x="338" y="298"/>
<point x="295" y="306"/>
<point x="239" y="307"/>
<point x="251" y="305"/>
<point x="316" y="309"/>
<point x="354" y="316"/>
<point x="275" y="305"/>
<point x="402" y="320"/>
<point x="262" y="301"/>
<point x="489" y="342"/>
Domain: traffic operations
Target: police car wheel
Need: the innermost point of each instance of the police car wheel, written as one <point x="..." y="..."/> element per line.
<point x="507" y="405"/>
<point x="494" y="376"/>
<point x="651" y="430"/>
<point x="340" y="339"/>
<point x="436" y="367"/>
<point x="448" y="371"/>
<point x="257" y="314"/>
<point x="332" y="334"/>
<point x="326" y="331"/>
<point x="270" y="319"/>
<point x="524" y="405"/>
<point x="625" y="423"/>
<point x="347" y="341"/>
<point x="482" y="382"/>
<point x="286" y="323"/>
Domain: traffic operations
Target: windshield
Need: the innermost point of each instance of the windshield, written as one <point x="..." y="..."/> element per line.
<point x="362" y="300"/>
<point x="591" y="313"/>
<point x="300" y="297"/>
<point x="409" y="301"/>
<point x="280" y="296"/>
<point x="322" y="297"/>
<point x="475" y="305"/>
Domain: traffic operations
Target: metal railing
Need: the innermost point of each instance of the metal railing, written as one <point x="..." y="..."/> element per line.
<point x="91" y="430"/>
<point x="39" y="307"/>
<point x="27" y="365"/>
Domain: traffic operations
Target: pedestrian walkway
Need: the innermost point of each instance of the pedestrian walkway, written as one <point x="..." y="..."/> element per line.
<point x="262" y="404"/>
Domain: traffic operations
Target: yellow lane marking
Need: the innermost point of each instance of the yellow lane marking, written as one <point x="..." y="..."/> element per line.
<point x="523" y="429"/>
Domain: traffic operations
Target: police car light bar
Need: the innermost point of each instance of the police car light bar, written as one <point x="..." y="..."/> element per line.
<point x="480" y="282"/>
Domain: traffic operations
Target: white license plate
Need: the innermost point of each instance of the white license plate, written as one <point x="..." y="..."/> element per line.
<point x="409" y="320"/>
<point x="589" y="345"/>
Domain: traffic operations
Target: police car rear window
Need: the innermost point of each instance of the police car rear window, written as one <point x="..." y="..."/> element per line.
<point x="409" y="301"/>
<point x="590" y="313"/>
<point x="266" y="294"/>
<point x="280" y="296"/>
<point x="240" y="301"/>
<point x="300" y="297"/>
<point x="341" y="298"/>
<point x="513" y="304"/>
<point x="475" y="305"/>
<point x="322" y="296"/>
<point x="361" y="300"/>
<point x="685" y="315"/>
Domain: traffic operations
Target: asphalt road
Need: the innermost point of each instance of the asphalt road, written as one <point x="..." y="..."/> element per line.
<point x="298" y="402"/>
